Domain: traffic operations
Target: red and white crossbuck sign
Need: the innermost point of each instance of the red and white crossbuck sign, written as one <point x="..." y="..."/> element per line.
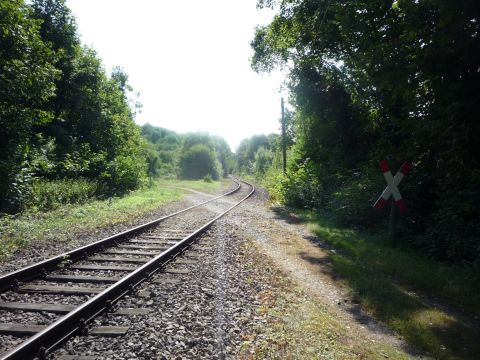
<point x="392" y="188"/>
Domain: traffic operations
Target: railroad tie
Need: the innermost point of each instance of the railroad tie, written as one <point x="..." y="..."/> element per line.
<point x="88" y="267"/>
<point x="153" y="242"/>
<point x="82" y="278"/>
<point x="62" y="309"/>
<point x="29" y="330"/>
<point x="33" y="307"/>
<point x="201" y="247"/>
<point x="177" y="271"/>
<point x="141" y="260"/>
<point x="130" y="252"/>
<point x="193" y="254"/>
<point x="143" y="247"/>
<point x="54" y="289"/>
<point x="109" y="330"/>
<point x="181" y="237"/>
<point x="184" y="262"/>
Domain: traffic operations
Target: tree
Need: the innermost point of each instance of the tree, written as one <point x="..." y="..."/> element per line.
<point x="373" y="79"/>
<point x="247" y="149"/>
<point x="59" y="30"/>
<point x="27" y="81"/>
<point x="262" y="161"/>
<point x="198" y="161"/>
<point x="224" y="155"/>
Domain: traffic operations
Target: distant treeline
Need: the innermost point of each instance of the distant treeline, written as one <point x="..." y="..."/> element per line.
<point x="67" y="130"/>
<point x="187" y="156"/>
<point x="372" y="80"/>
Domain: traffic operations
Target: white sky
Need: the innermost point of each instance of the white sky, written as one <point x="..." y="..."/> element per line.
<point x="189" y="60"/>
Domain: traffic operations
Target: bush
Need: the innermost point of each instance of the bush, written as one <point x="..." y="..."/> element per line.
<point x="302" y="188"/>
<point x="351" y="201"/>
<point x="273" y="181"/>
<point x="123" y="174"/>
<point x="50" y="194"/>
<point x="208" y="178"/>
<point x="199" y="161"/>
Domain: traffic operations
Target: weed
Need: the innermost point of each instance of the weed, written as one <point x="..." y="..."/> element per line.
<point x="64" y="262"/>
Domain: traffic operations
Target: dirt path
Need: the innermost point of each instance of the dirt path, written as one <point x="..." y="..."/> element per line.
<point x="304" y="260"/>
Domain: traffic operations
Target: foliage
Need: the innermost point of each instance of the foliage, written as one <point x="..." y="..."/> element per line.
<point x="372" y="80"/>
<point x="248" y="148"/>
<point x="165" y="145"/>
<point x="46" y="195"/>
<point x="262" y="160"/>
<point x="61" y="116"/>
<point x="224" y="155"/>
<point x="208" y="178"/>
<point x="171" y="151"/>
<point x="26" y="83"/>
<point x="152" y="163"/>
<point x="198" y="161"/>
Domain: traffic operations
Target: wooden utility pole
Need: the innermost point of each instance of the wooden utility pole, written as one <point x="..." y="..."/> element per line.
<point x="284" y="140"/>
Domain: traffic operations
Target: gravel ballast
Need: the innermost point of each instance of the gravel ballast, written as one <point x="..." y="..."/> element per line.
<point x="201" y="312"/>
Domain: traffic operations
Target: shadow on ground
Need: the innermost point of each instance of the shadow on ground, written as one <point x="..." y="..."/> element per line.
<point x="440" y="333"/>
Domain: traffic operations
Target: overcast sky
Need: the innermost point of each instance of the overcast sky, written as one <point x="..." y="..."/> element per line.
<point x="189" y="60"/>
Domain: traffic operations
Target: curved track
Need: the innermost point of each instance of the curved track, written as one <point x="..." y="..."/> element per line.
<point x="149" y="246"/>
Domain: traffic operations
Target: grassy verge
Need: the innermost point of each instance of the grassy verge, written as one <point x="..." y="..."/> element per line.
<point x="294" y="325"/>
<point x="193" y="184"/>
<point x="401" y="288"/>
<point x="60" y="224"/>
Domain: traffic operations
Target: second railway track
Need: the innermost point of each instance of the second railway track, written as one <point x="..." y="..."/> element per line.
<point x="44" y="304"/>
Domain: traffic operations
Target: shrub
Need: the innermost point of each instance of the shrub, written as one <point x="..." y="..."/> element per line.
<point x="199" y="161"/>
<point x="51" y="194"/>
<point x="302" y="188"/>
<point x="124" y="173"/>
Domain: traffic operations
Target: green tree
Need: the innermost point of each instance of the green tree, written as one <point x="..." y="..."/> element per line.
<point x="262" y="161"/>
<point x="27" y="81"/>
<point x="224" y="155"/>
<point x="58" y="28"/>
<point x="376" y="79"/>
<point x="198" y="161"/>
<point x="247" y="149"/>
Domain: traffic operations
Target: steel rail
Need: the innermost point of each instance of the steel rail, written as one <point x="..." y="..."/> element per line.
<point x="38" y="269"/>
<point x="41" y="343"/>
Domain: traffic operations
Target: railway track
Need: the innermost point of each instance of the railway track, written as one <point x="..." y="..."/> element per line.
<point x="61" y="296"/>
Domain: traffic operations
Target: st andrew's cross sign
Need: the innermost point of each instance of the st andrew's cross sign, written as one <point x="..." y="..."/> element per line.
<point x="392" y="188"/>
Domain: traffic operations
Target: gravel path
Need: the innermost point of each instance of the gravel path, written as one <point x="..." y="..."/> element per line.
<point x="304" y="259"/>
